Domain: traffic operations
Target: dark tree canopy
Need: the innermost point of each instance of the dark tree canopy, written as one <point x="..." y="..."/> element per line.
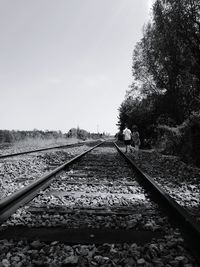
<point x="166" y="67"/>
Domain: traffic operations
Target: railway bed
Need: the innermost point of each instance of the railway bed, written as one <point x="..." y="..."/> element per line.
<point x="30" y="151"/>
<point x="180" y="180"/>
<point x="19" y="170"/>
<point x="94" y="213"/>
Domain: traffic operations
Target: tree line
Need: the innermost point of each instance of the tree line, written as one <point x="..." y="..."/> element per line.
<point x="7" y="136"/>
<point x="83" y="134"/>
<point x="165" y="68"/>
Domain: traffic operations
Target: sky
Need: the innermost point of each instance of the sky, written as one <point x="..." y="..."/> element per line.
<point x="67" y="63"/>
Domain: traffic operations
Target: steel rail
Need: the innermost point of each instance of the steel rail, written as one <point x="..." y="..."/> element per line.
<point x="177" y="214"/>
<point x="43" y="149"/>
<point x="10" y="204"/>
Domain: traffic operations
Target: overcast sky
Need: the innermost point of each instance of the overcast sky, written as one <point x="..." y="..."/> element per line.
<point x="66" y="63"/>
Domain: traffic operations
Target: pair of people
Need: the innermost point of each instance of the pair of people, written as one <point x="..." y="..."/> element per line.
<point x="132" y="137"/>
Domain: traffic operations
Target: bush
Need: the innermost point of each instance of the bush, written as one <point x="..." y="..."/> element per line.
<point x="183" y="140"/>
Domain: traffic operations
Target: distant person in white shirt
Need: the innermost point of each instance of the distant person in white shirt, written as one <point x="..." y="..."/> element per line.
<point x="127" y="138"/>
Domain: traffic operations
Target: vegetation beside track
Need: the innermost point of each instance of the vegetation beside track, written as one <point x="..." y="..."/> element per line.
<point x="166" y="82"/>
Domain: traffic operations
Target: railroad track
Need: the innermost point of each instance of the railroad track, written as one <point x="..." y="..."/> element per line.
<point x="18" y="171"/>
<point x="45" y="149"/>
<point x="97" y="198"/>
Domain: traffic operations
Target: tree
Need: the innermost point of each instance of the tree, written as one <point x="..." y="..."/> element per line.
<point x="166" y="67"/>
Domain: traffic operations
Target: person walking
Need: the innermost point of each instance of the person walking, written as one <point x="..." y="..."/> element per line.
<point x="127" y="138"/>
<point x="136" y="140"/>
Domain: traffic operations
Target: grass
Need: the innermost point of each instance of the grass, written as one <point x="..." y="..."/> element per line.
<point x="40" y="143"/>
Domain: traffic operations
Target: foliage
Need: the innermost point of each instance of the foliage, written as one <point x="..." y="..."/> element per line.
<point x="83" y="134"/>
<point x="134" y="111"/>
<point x="166" y="68"/>
<point x="182" y="140"/>
<point x="7" y="136"/>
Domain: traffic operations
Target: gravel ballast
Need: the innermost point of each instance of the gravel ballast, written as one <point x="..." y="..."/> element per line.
<point x="180" y="180"/>
<point x="170" y="250"/>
